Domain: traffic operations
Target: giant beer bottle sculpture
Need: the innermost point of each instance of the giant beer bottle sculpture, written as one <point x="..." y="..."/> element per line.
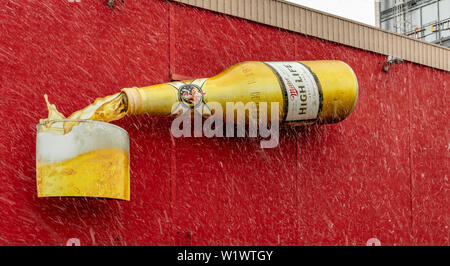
<point x="306" y="91"/>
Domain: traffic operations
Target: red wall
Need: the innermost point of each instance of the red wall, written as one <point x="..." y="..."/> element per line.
<point x="382" y="173"/>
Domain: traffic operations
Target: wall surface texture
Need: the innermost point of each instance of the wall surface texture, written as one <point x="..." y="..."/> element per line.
<point x="382" y="173"/>
<point x="289" y="16"/>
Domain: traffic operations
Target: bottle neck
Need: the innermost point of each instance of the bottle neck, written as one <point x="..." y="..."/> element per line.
<point x="133" y="100"/>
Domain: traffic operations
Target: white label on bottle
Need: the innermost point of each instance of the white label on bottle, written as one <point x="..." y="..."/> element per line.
<point x="301" y="91"/>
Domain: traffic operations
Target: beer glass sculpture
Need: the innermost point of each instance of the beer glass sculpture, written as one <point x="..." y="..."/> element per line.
<point x="92" y="160"/>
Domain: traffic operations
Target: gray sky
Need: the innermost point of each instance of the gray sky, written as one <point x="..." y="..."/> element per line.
<point x="359" y="10"/>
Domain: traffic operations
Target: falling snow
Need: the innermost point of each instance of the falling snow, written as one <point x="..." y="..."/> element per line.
<point x="381" y="175"/>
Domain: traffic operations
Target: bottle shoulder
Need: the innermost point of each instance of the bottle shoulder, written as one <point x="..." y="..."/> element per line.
<point x="242" y="68"/>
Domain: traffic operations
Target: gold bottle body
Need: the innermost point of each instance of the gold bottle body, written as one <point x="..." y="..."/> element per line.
<point x="306" y="91"/>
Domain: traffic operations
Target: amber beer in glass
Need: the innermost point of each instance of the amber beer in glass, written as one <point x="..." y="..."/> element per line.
<point x="92" y="160"/>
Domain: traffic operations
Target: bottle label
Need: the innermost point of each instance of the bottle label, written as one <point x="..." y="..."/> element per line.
<point x="301" y="91"/>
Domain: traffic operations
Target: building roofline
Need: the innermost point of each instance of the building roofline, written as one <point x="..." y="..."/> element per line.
<point x="311" y="22"/>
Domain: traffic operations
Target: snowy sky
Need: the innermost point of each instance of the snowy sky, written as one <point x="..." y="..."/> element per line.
<point x="359" y="10"/>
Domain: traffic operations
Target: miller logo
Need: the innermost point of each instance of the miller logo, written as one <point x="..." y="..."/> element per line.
<point x="190" y="94"/>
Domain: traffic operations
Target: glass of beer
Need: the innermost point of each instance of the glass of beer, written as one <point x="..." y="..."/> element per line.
<point x="89" y="160"/>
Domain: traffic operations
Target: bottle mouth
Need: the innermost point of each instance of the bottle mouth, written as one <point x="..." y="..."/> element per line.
<point x="132" y="100"/>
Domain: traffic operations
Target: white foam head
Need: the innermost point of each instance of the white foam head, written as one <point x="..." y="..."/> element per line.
<point x="85" y="137"/>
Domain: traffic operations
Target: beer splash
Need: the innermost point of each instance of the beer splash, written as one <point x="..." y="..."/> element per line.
<point x="101" y="172"/>
<point x="105" y="109"/>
